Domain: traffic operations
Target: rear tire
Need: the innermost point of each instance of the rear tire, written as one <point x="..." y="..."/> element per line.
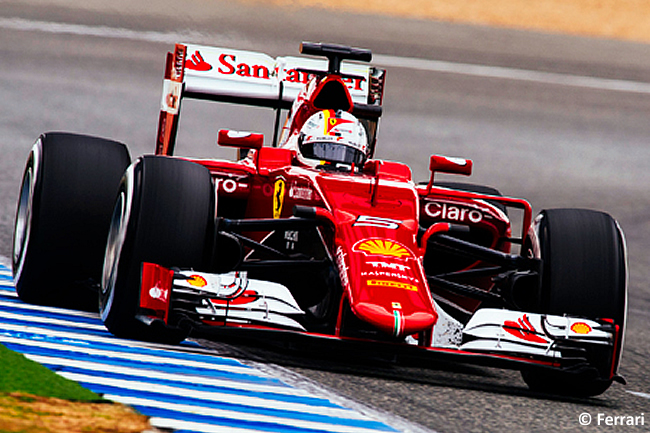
<point x="163" y="214"/>
<point x="584" y="274"/>
<point x="62" y="218"/>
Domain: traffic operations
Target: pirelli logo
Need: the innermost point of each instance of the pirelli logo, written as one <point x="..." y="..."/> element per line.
<point x="392" y="284"/>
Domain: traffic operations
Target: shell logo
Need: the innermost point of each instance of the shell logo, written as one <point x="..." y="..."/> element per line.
<point x="581" y="328"/>
<point x="383" y="247"/>
<point x="197" y="281"/>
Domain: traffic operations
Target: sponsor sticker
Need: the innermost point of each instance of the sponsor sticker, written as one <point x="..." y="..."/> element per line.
<point x="450" y="212"/>
<point x="524" y="330"/>
<point x="196" y="63"/>
<point x="197" y="281"/>
<point x="581" y="328"/>
<point x="299" y="192"/>
<point x="392" y="266"/>
<point x="343" y="269"/>
<point x="383" y="247"/>
<point x="229" y="65"/>
<point x="392" y="275"/>
<point x="159" y="293"/>
<point x="227" y="185"/>
<point x="392" y="284"/>
<point x="171" y="96"/>
<point x="179" y="63"/>
<point x="371" y="221"/>
<point x="278" y="198"/>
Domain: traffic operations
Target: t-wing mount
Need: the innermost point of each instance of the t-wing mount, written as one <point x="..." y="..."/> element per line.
<point x="335" y="54"/>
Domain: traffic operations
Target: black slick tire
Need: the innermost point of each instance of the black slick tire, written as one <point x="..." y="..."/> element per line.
<point x="62" y="218"/>
<point x="164" y="213"/>
<point x="584" y="274"/>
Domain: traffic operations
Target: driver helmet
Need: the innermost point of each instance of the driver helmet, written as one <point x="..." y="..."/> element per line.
<point x="335" y="137"/>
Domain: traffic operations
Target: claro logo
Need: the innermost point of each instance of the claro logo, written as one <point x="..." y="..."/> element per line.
<point x="452" y="213"/>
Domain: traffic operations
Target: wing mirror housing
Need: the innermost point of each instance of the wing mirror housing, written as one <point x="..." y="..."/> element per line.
<point x="239" y="139"/>
<point x="445" y="164"/>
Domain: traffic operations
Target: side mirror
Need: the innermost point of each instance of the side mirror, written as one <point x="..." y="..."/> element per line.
<point x="242" y="140"/>
<point x="444" y="164"/>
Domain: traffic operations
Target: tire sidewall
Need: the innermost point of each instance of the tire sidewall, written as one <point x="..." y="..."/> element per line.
<point x="182" y="245"/>
<point x="64" y="203"/>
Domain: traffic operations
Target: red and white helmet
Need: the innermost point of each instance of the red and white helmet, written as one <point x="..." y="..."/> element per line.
<point x="334" y="137"/>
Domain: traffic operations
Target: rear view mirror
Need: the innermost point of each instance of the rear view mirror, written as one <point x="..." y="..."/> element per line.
<point x="242" y="140"/>
<point x="445" y="164"/>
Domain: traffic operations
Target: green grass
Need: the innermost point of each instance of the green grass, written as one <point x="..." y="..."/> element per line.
<point x="19" y="374"/>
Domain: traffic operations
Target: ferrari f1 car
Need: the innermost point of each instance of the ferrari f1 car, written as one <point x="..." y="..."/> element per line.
<point x="311" y="238"/>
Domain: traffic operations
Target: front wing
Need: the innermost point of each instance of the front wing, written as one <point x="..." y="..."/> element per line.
<point x="233" y="306"/>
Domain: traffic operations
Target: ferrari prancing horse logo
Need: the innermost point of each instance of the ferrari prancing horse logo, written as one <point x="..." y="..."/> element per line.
<point x="278" y="198"/>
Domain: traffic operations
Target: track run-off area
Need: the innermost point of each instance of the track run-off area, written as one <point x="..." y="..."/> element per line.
<point x="181" y="388"/>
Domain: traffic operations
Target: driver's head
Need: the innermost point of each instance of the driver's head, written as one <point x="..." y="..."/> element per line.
<point x="331" y="136"/>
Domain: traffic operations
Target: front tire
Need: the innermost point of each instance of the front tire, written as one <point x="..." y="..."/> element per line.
<point x="62" y="218"/>
<point x="584" y="274"/>
<point x="163" y="214"/>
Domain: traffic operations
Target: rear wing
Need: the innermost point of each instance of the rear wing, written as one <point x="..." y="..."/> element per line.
<point x="251" y="78"/>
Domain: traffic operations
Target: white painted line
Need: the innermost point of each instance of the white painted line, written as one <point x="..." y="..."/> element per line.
<point x="174" y="424"/>
<point x="51" y="321"/>
<point x="482" y="71"/>
<point x="513" y="74"/>
<point x="185" y="378"/>
<point x="640" y="394"/>
<point x="84" y="30"/>
<point x="220" y="413"/>
<point x="21" y="24"/>
<point x="639" y="311"/>
<point x="109" y="339"/>
<point x="55" y="310"/>
<point x="250" y="401"/>
<point x="162" y="360"/>
<point x="299" y="381"/>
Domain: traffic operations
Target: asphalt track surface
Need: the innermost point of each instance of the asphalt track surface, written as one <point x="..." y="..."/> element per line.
<point x="560" y="121"/>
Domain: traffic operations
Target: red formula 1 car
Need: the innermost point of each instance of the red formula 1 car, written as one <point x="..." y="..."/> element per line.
<point x="311" y="239"/>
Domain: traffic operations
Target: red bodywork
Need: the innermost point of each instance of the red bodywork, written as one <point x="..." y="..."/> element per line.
<point x="374" y="214"/>
<point x="354" y="255"/>
<point x="366" y="255"/>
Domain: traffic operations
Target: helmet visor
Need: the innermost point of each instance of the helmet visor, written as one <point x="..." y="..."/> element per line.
<point x="332" y="152"/>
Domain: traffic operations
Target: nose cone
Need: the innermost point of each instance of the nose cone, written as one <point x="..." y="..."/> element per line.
<point x="395" y="321"/>
<point x="387" y="287"/>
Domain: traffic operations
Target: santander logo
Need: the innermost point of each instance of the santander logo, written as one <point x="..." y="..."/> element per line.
<point x="524" y="330"/>
<point x="196" y="63"/>
<point x="251" y="66"/>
